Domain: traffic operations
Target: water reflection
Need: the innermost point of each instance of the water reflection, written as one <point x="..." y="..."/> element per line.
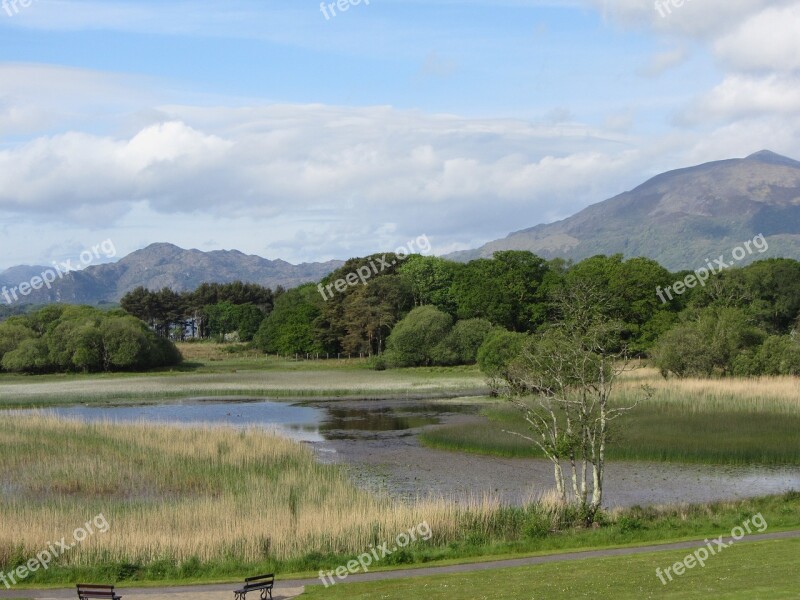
<point x="304" y="422"/>
<point x="359" y="422"/>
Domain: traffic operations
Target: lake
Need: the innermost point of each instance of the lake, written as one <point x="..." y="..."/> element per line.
<point x="376" y="440"/>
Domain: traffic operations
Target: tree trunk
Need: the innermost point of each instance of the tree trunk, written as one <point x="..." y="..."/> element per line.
<point x="559" y="476"/>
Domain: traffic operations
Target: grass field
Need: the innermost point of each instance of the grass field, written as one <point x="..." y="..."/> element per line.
<point x="185" y="495"/>
<point x="194" y="504"/>
<point x="212" y="371"/>
<point x="759" y="570"/>
<point x="720" y="422"/>
<point x="202" y="504"/>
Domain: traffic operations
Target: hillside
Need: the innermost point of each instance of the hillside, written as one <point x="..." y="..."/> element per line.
<point x="165" y="265"/>
<point x="679" y="218"/>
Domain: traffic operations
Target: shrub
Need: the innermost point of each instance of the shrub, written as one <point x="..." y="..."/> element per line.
<point x="81" y="338"/>
<point x="463" y="342"/>
<point x="414" y="339"/>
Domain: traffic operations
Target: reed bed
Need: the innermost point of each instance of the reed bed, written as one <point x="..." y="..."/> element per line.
<point x="715" y="421"/>
<point x="200" y="493"/>
<point x="776" y="395"/>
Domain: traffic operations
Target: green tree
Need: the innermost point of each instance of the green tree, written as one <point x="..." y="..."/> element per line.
<point x="509" y="290"/>
<point x="778" y="355"/>
<point x="414" y="339"/>
<point x="767" y="289"/>
<point x="629" y="292"/>
<point x="248" y="321"/>
<point x="290" y="327"/>
<point x="430" y="279"/>
<point x="462" y="343"/>
<point x="708" y="344"/>
<point x="496" y="355"/>
<point x="81" y="338"/>
<point x="12" y="333"/>
<point x="31" y="356"/>
<point x="223" y="318"/>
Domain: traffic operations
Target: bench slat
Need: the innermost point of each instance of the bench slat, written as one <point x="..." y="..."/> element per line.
<point x="96" y="591"/>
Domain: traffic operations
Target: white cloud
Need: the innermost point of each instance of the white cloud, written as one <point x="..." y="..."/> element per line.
<point x="742" y="96"/>
<point x="313" y="172"/>
<point x="768" y="41"/>
<point x="73" y="171"/>
<point x="698" y="19"/>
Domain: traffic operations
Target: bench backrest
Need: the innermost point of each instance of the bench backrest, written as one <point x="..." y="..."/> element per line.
<point x="259" y="580"/>
<point x="89" y="590"/>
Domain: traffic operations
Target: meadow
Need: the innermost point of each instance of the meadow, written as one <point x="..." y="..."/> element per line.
<point x="190" y="495"/>
<point x="212" y="504"/>
<point x="213" y="370"/>
<point x="732" y="421"/>
<point x="192" y="504"/>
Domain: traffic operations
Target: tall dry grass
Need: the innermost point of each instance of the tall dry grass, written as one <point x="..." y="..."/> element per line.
<point x="174" y="492"/>
<point x="757" y="395"/>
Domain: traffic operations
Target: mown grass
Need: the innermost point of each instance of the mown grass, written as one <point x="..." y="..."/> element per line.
<point x="717" y="422"/>
<point x="209" y="504"/>
<point x="755" y="570"/>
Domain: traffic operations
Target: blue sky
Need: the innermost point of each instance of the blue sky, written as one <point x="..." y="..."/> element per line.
<point x="264" y="126"/>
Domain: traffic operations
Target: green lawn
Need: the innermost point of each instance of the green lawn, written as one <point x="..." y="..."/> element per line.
<point x="761" y="570"/>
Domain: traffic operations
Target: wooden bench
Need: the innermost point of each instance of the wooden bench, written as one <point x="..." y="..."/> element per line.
<point x="262" y="583"/>
<point x="88" y="591"/>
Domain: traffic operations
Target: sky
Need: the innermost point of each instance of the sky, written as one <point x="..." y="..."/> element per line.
<point x="284" y="130"/>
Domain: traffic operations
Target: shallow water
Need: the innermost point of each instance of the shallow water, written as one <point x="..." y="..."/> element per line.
<point x="307" y="422"/>
<point x="376" y="440"/>
<point x="404" y="469"/>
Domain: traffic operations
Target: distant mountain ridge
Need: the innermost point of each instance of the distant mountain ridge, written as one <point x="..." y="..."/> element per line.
<point x="678" y="218"/>
<point x="164" y="265"/>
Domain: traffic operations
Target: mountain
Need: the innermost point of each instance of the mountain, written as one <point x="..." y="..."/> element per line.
<point x="164" y="265"/>
<point x="679" y="218"/>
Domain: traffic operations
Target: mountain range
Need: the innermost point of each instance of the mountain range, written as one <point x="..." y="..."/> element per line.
<point x="164" y="265"/>
<point x="679" y="218"/>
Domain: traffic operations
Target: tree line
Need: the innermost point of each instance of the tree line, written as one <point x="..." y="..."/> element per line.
<point x="66" y="338"/>
<point x="212" y="310"/>
<point x="431" y="311"/>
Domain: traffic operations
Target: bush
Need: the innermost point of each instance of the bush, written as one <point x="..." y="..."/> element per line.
<point x="778" y="355"/>
<point x="81" y="338"/>
<point x="713" y="342"/>
<point x="537" y="525"/>
<point x="377" y="363"/>
<point x="289" y="328"/>
<point x="498" y="352"/>
<point x="414" y="340"/>
<point x="463" y="342"/>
